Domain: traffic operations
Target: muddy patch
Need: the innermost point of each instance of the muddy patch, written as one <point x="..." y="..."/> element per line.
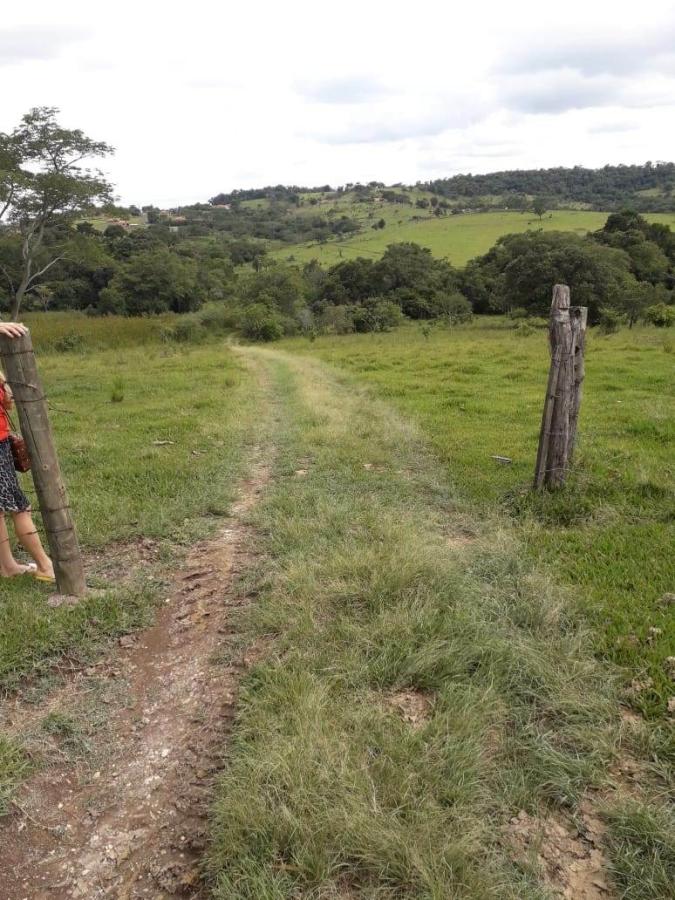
<point x="128" y="818"/>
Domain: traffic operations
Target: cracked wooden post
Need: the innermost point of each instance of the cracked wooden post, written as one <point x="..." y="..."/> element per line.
<point x="567" y="334"/>
<point x="20" y="369"/>
<point x="579" y="316"/>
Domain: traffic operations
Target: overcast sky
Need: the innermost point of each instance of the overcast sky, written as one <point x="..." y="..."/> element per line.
<point x="200" y="97"/>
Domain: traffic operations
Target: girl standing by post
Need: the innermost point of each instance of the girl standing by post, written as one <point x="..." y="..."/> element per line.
<point x="13" y="501"/>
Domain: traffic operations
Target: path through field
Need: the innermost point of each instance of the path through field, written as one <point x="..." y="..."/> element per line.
<point x="408" y="633"/>
<point x="135" y="827"/>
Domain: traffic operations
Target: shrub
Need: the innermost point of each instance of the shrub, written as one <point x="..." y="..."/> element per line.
<point x="458" y="309"/>
<point x="609" y="321"/>
<point x="530" y="324"/>
<point x="72" y="342"/>
<point x="518" y="313"/>
<point x="219" y="319"/>
<point x="337" y="320"/>
<point x="188" y="330"/>
<point x="258" y="323"/>
<point x="117" y="393"/>
<point x="377" y="314"/>
<point x="660" y="315"/>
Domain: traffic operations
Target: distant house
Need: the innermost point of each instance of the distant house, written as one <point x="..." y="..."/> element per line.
<point x="221" y="206"/>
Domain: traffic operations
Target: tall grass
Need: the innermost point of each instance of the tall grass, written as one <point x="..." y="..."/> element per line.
<point x="329" y="791"/>
<point x="478" y="391"/>
<point x="55" y="331"/>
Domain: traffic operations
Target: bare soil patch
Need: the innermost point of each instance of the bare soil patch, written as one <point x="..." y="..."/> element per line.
<point x="414" y="707"/>
<point x="134" y="826"/>
<point x="568" y="854"/>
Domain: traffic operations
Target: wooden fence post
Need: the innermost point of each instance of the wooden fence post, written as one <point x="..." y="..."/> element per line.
<point x="579" y="315"/>
<point x="567" y="333"/>
<point x="22" y="375"/>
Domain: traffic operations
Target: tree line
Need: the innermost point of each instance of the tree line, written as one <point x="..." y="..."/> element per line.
<point x="52" y="257"/>
<point x="607" y="188"/>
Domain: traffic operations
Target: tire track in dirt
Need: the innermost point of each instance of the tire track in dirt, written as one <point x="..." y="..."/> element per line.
<point x="137" y="827"/>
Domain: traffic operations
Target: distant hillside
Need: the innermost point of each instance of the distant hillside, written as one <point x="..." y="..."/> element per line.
<point x="647" y="188"/>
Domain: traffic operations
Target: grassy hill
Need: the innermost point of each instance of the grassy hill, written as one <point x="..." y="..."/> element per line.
<point x="457" y="237"/>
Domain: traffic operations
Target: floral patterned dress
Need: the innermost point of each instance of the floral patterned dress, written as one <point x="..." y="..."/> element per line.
<point x="12" y="498"/>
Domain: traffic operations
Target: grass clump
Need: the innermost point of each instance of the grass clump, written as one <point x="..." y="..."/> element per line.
<point x="14" y="765"/>
<point x="329" y="788"/>
<point x="33" y="636"/>
<point x="642" y="850"/>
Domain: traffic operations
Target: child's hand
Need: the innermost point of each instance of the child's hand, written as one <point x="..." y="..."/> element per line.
<point x="13" y="329"/>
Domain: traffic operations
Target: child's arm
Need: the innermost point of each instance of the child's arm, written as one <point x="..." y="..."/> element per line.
<point x="6" y="396"/>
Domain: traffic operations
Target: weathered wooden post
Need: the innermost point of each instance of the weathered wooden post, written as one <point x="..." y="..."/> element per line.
<point x="579" y="316"/>
<point x="567" y="333"/>
<point x="21" y="372"/>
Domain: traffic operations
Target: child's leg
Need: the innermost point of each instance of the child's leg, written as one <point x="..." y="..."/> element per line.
<point x="8" y="565"/>
<point x="30" y="540"/>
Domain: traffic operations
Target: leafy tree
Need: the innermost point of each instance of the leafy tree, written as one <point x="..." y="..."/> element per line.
<point x="651" y="247"/>
<point x="520" y="270"/>
<point x="607" y="188"/>
<point x="637" y="297"/>
<point x="457" y="308"/>
<point x="661" y="315"/>
<point x="260" y="323"/>
<point x="413" y="278"/>
<point x="276" y="286"/>
<point x="539" y="207"/>
<point x="352" y="281"/>
<point x="42" y="185"/>
<point x="609" y="320"/>
<point x="154" y="281"/>
<point x="114" y="231"/>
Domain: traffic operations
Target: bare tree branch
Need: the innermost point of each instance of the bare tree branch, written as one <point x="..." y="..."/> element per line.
<point x="42" y="271"/>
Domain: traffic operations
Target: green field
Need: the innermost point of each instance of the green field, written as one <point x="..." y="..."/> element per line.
<point x="110" y="410"/>
<point x="459" y="238"/>
<point x="478" y="392"/>
<point x="396" y="563"/>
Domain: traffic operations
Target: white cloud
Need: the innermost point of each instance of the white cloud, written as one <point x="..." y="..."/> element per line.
<point x="24" y="43"/>
<point x="342" y="89"/>
<point x="558" y="91"/>
<point x="206" y="97"/>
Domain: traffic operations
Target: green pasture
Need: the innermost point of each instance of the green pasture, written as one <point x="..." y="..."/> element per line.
<point x="424" y="679"/>
<point x="478" y="390"/>
<point x="151" y="442"/>
<point x="457" y="237"/>
<point x="398" y="562"/>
